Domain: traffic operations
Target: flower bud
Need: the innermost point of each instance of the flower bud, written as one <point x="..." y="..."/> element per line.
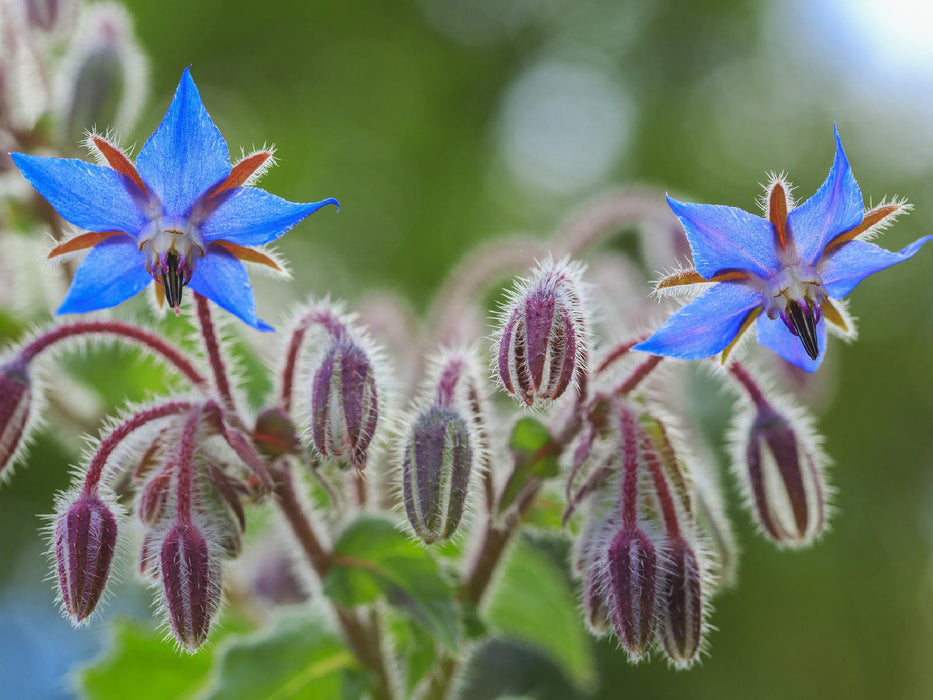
<point x="783" y="479"/>
<point x="148" y="567"/>
<point x="15" y="402"/>
<point x="49" y="15"/>
<point x="275" y="434"/>
<point x="681" y="604"/>
<point x="436" y="473"/>
<point x="103" y="80"/>
<point x="344" y="403"/>
<point x="190" y="584"/>
<point x="84" y="539"/>
<point x="153" y="498"/>
<point x="543" y="342"/>
<point x="633" y="570"/>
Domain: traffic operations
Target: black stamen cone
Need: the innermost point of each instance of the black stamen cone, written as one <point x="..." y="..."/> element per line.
<point x="805" y="325"/>
<point x="173" y="280"/>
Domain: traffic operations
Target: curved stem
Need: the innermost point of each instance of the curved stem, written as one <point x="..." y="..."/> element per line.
<point x="745" y="380"/>
<point x="630" y="383"/>
<point x="120" y="330"/>
<point x="121" y="432"/>
<point x="331" y="323"/>
<point x="212" y="346"/>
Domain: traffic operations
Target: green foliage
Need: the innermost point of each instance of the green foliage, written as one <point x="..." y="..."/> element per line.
<point x="535" y="456"/>
<point x="373" y="559"/>
<point x="532" y="603"/>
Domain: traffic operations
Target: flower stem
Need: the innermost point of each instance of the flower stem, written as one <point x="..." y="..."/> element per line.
<point x="751" y="387"/>
<point x="120" y="330"/>
<point x="212" y="346"/>
<point x="330" y="322"/>
<point x="619" y="351"/>
<point x="186" y="464"/>
<point x="638" y="374"/>
<point x="121" y="432"/>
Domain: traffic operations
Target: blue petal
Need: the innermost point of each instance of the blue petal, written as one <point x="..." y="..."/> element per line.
<point x="251" y="216"/>
<point x="844" y="268"/>
<point x="727" y="238"/>
<point x="111" y="273"/>
<point x="773" y="334"/>
<point x="836" y="207"/>
<point x="90" y="196"/>
<point x="706" y="325"/>
<point x="222" y="278"/>
<point x="186" y="155"/>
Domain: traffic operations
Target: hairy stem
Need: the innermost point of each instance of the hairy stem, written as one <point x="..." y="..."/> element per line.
<point x="123" y="331"/>
<point x="212" y="346"/>
<point x="745" y="380"/>
<point x="323" y="317"/>
<point x="630" y="383"/>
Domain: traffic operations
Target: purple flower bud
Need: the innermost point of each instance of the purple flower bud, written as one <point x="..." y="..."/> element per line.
<point x="783" y="479"/>
<point x="15" y="402"/>
<point x="436" y="473"/>
<point x="633" y="568"/>
<point x="190" y="584"/>
<point x="153" y="498"/>
<point x="275" y="434"/>
<point x="344" y="403"/>
<point x="543" y="342"/>
<point x="681" y="603"/>
<point x="84" y="538"/>
<point x="149" y="557"/>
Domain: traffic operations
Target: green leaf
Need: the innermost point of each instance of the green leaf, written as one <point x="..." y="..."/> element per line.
<point x="136" y="651"/>
<point x="532" y="603"/>
<point x="414" y="648"/>
<point x="297" y="656"/>
<point x="373" y="559"/>
<point x="534" y="454"/>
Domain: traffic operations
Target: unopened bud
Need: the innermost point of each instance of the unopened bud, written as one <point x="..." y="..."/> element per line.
<point x="681" y="604"/>
<point x="190" y="584"/>
<point x="344" y="403"/>
<point x="275" y="434"/>
<point x="49" y="15"/>
<point x="85" y="537"/>
<point x="436" y="473"/>
<point x="15" y="403"/>
<point x="633" y="569"/>
<point x="104" y="75"/>
<point x="153" y="498"/>
<point x="784" y="480"/>
<point x="543" y="342"/>
<point x="148" y="567"/>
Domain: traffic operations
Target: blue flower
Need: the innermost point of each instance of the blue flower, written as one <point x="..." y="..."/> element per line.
<point x="181" y="216"/>
<point x="785" y="273"/>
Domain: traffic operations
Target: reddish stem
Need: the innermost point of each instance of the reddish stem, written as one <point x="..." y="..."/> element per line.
<point x="637" y="375"/>
<point x="619" y="351"/>
<point x="212" y="346"/>
<point x="121" y="432"/>
<point x="746" y="381"/>
<point x="330" y="322"/>
<point x="630" y="468"/>
<point x="121" y="330"/>
<point x="186" y="464"/>
<point x="668" y="509"/>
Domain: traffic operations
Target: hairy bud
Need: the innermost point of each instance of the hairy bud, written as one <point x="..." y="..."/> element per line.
<point x="681" y="603"/>
<point x="190" y="584"/>
<point x="153" y="498"/>
<point x="275" y="434"/>
<point x="344" y="403"/>
<point x="84" y="540"/>
<point x="543" y="342"/>
<point x="15" y="403"/>
<point x="436" y="472"/>
<point x="633" y="569"/>
<point x="783" y="479"/>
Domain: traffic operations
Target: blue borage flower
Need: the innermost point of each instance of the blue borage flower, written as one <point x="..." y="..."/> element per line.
<point x="181" y="216"/>
<point x="785" y="272"/>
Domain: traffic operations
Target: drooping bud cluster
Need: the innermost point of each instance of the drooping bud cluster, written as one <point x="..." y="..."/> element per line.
<point x="442" y="446"/>
<point x="780" y="467"/>
<point x="542" y="347"/>
<point x="84" y="540"/>
<point x="641" y="561"/>
<point x="345" y="384"/>
<point x="15" y="410"/>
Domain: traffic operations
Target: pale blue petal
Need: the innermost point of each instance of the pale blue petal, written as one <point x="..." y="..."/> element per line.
<point x="90" y="196"/>
<point x="186" y="155"/>
<point x="222" y="278"/>
<point x="706" y="325"/>
<point x="727" y="238"/>
<point x="774" y="335"/>
<point x="844" y="268"/>
<point x="111" y="273"/>
<point x="251" y="216"/>
<point x="836" y="207"/>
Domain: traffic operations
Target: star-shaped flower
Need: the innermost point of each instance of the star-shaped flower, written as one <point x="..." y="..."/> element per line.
<point x="786" y="272"/>
<point x="181" y="216"/>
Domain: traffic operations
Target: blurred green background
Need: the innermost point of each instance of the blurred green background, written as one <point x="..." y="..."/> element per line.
<point x="442" y="123"/>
